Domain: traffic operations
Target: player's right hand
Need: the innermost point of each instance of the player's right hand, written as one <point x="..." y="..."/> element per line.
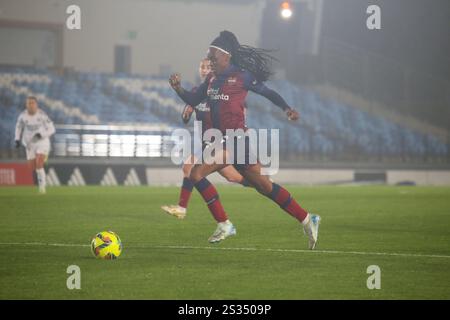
<point x="17" y="144"/>
<point x="175" y="81"/>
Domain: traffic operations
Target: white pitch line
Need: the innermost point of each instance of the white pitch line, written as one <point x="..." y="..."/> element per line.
<point x="43" y="244"/>
<point x="308" y="251"/>
<point x="411" y="255"/>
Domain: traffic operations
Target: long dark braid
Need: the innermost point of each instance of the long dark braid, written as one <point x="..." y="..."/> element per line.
<point x="255" y="60"/>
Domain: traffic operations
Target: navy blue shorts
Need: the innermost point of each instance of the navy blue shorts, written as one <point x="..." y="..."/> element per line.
<point x="241" y="157"/>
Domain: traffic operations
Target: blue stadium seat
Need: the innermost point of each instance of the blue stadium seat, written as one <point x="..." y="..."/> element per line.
<point x="326" y="127"/>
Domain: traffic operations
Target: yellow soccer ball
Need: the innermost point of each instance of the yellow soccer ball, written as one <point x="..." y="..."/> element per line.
<point x="106" y="245"/>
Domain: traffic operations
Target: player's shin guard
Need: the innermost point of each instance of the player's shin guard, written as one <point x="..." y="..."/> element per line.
<point x="41" y="179"/>
<point x="185" y="193"/>
<point x="284" y="199"/>
<point x="211" y="197"/>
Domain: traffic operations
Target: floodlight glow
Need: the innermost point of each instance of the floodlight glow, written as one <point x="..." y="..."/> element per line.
<point x="286" y="11"/>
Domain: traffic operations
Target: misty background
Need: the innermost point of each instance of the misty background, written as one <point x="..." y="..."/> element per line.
<point x="364" y="95"/>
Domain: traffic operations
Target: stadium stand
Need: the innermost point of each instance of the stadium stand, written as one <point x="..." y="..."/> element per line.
<point x="327" y="130"/>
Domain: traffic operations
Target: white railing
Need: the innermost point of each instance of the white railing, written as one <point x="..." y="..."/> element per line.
<point x="128" y="141"/>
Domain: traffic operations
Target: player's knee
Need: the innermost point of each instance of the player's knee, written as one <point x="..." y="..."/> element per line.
<point x="195" y="176"/>
<point x="186" y="170"/>
<point x="39" y="162"/>
<point x="264" y="189"/>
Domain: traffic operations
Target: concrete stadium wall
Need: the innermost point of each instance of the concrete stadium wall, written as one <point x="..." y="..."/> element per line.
<point x="324" y="177"/>
<point x="419" y="177"/>
<point x="79" y="173"/>
<point x="175" y="33"/>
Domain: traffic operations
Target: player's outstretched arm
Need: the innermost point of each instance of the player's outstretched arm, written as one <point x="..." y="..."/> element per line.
<point x="273" y="96"/>
<point x="191" y="98"/>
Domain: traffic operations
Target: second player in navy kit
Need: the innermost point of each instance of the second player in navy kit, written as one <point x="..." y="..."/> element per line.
<point x="203" y="117"/>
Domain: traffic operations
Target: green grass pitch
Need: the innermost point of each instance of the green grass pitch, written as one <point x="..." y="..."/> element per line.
<point x="403" y="230"/>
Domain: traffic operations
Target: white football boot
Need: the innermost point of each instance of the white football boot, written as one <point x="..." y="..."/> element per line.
<point x="175" y="210"/>
<point x="311" y="229"/>
<point x="223" y="231"/>
<point x="42" y="190"/>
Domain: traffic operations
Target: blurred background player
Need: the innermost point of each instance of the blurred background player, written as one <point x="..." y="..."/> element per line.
<point x="237" y="69"/>
<point x="33" y="130"/>
<point x="203" y="115"/>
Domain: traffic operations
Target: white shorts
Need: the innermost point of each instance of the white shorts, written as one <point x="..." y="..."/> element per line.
<point x="40" y="147"/>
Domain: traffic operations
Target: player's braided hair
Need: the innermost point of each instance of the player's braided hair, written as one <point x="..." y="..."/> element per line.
<point x="255" y="60"/>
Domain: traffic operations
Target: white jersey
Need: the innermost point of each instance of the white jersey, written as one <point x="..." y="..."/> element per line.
<point x="28" y="125"/>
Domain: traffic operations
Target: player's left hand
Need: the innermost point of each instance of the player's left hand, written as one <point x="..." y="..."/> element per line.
<point x="292" y="114"/>
<point x="38" y="136"/>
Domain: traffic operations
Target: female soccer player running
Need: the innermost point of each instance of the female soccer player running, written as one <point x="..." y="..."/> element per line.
<point x="203" y="116"/>
<point x="236" y="70"/>
<point x="34" y="129"/>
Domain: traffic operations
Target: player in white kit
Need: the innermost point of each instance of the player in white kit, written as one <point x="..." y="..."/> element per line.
<point x="33" y="131"/>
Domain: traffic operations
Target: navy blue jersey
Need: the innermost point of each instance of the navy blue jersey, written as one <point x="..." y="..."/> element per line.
<point x="202" y="113"/>
<point x="225" y="96"/>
